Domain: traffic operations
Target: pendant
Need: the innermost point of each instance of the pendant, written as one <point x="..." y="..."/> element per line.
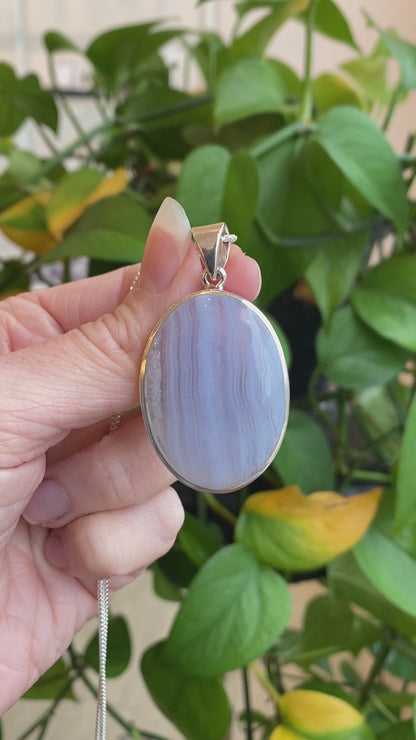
<point x="214" y="388"/>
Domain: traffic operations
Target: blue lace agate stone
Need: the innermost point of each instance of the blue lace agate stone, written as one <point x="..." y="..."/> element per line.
<point x="214" y="391"/>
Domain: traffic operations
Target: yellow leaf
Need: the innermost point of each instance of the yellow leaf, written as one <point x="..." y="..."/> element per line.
<point x="282" y="733"/>
<point x="111" y="185"/>
<point x="24" y="223"/>
<point x="330" y="90"/>
<point x="294" y="532"/>
<point x="78" y="190"/>
<point x="318" y="715"/>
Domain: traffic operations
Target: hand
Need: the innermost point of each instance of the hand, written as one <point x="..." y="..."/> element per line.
<point x="78" y="504"/>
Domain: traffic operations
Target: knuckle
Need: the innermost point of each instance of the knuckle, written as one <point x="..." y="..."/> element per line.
<point x="169" y="516"/>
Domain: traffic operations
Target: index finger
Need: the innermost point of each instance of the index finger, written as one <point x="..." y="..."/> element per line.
<point x="91" y="372"/>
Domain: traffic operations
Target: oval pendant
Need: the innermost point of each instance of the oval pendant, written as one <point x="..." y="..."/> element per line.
<point x="214" y="391"/>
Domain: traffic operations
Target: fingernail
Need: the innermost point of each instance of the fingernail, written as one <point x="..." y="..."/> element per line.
<point x="54" y="551"/>
<point x="257" y="278"/>
<point x="168" y="242"/>
<point x="48" y="502"/>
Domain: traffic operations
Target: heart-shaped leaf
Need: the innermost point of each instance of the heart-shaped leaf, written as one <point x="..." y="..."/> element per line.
<point x="386" y="300"/>
<point x="354" y="356"/>
<point x="361" y="151"/>
<point x="234" y="611"/>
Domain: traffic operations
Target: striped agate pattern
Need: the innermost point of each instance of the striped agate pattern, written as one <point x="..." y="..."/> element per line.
<point x="214" y="391"/>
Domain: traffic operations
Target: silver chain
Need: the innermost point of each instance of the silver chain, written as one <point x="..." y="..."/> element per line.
<point x="101" y="716"/>
<point x="102" y="607"/>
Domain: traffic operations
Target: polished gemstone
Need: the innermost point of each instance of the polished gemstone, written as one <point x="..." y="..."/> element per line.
<point x="214" y="391"/>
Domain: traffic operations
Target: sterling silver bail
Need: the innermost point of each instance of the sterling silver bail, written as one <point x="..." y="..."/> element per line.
<point x="213" y="242"/>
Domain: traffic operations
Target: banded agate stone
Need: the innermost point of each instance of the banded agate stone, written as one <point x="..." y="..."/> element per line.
<point x="214" y="391"/>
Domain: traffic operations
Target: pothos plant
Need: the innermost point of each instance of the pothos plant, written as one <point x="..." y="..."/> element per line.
<point x="302" y="170"/>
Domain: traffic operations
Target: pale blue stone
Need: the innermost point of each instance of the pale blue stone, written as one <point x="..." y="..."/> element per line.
<point x="214" y="391"/>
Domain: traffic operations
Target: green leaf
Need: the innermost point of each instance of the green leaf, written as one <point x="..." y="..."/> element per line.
<point x="325" y="687"/>
<point x="113" y="229"/>
<point x="401" y="660"/>
<point x="118" y="651"/>
<point x="388" y="567"/>
<point x="414" y="716"/>
<point x="177" y="567"/>
<point x="70" y="193"/>
<point x="23" y="98"/>
<point x="198" y="542"/>
<point x="13" y="277"/>
<point x="23" y="166"/>
<point x="240" y="193"/>
<point x="406" y="474"/>
<point x="376" y="414"/>
<point x="304" y="458"/>
<point x="328" y="624"/>
<point x="348" y="581"/>
<point x="287" y="352"/>
<point x="333" y="270"/>
<point x="370" y="74"/>
<point x="353" y="356"/>
<point x="197" y="706"/>
<point x="247" y="88"/>
<point x="288" y="77"/>
<point x="118" y="54"/>
<point x="280" y="267"/>
<point x="403" y="52"/>
<point x="399" y="731"/>
<point x="329" y="90"/>
<point x="234" y="611"/>
<point x="299" y="186"/>
<point x="331" y="626"/>
<point x="202" y="198"/>
<point x="52" y="683"/>
<point x="330" y="22"/>
<point x="386" y="300"/>
<point x="363" y="154"/>
<point x="163" y="586"/>
<point x="227" y="192"/>
<point x="254" y="41"/>
<point x="55" y="41"/>
<point x="209" y="53"/>
<point x="158" y="107"/>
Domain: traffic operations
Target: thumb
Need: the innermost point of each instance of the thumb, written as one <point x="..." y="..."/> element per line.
<point x="91" y="372"/>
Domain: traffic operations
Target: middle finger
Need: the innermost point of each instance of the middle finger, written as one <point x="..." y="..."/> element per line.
<point x="117" y="471"/>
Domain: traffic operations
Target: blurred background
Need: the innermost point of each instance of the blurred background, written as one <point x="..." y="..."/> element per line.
<point x="25" y="21"/>
<point x="23" y="24"/>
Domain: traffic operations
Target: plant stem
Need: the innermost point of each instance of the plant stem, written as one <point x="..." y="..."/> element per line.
<point x="46" y="140"/>
<point x="273" y="671"/>
<point x="128" y="726"/>
<point x="271" y="690"/>
<point x="378" y="704"/>
<point x="307" y="98"/>
<point x="325" y="238"/>
<point x="314" y="401"/>
<point x="45" y="718"/>
<point x="372" y="476"/>
<point x="220" y="509"/>
<point x="115" y="128"/>
<point x="261" y="148"/>
<point x="375" y="669"/>
<point x="247" y="704"/>
<point x="65" y="105"/>
<point x="67" y="270"/>
<point x="391" y="107"/>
